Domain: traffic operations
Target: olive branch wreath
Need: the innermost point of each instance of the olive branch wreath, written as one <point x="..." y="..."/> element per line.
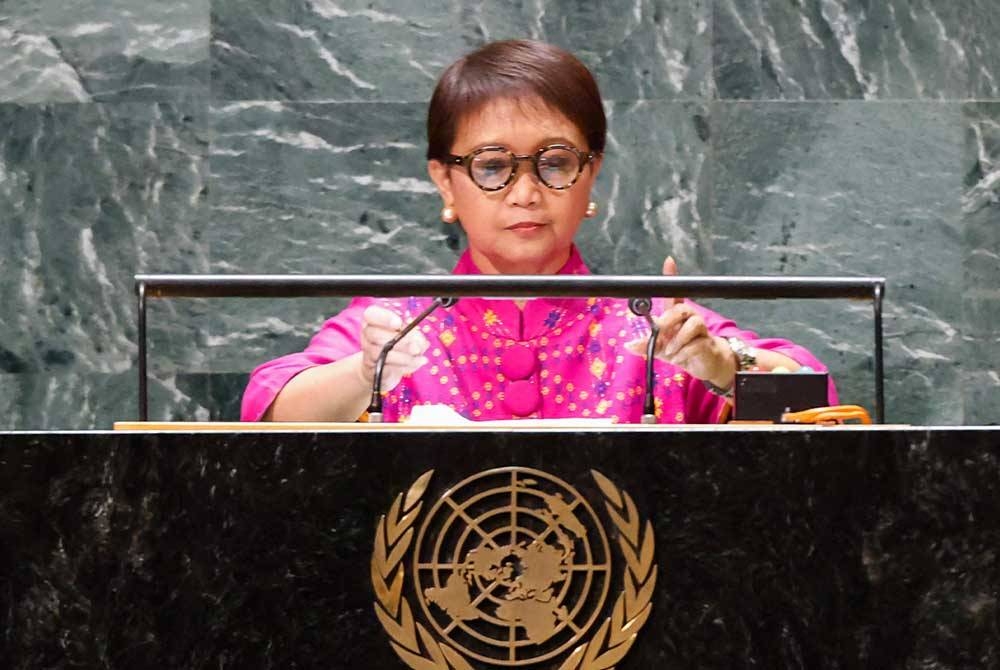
<point x="420" y="651"/>
<point x="618" y="632"/>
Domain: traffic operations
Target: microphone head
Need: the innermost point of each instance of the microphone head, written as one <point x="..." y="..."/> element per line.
<point x="640" y="306"/>
<point x="447" y="302"/>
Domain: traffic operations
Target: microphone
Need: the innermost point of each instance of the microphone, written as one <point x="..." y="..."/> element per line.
<point x="643" y="307"/>
<point x="375" y="408"/>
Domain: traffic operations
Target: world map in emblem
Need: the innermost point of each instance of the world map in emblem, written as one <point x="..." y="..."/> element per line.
<point x="512" y="566"/>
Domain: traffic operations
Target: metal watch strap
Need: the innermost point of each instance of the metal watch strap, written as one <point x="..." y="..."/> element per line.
<point x="746" y="358"/>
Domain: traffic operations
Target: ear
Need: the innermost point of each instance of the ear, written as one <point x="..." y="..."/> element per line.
<point x="595" y="165"/>
<point x="441" y="176"/>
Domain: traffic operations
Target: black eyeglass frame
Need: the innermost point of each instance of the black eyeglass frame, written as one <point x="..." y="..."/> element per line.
<point x="583" y="159"/>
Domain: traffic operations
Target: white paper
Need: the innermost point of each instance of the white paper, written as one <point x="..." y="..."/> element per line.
<point x="442" y="415"/>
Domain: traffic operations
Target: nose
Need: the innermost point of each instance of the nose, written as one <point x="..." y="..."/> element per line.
<point x="526" y="188"/>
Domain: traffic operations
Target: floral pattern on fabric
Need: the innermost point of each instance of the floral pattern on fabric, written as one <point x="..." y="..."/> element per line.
<point x="571" y="360"/>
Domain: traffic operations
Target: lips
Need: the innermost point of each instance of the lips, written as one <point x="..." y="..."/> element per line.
<point x="526" y="225"/>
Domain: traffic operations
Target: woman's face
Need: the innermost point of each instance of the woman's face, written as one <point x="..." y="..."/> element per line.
<point x="526" y="228"/>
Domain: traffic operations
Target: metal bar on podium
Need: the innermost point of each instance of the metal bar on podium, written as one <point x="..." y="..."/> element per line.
<point x="150" y="286"/>
<point x="140" y="292"/>
<point x="878" y="293"/>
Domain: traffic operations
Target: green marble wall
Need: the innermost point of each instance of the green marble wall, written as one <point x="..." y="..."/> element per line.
<point x="746" y="136"/>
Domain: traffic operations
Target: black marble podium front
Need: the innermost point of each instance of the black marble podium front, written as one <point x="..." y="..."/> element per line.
<point x="781" y="548"/>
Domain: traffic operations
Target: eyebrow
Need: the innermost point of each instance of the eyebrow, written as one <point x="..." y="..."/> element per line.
<point x="543" y="143"/>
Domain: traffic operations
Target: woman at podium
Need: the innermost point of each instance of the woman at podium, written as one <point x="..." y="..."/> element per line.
<point x="516" y="135"/>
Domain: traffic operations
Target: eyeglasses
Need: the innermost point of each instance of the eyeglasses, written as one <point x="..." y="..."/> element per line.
<point x="492" y="168"/>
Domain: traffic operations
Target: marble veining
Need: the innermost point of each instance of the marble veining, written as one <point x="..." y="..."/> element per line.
<point x="325" y="50"/>
<point x="82" y="217"/>
<point x="323" y="187"/>
<point x="898" y="49"/>
<point x="824" y="549"/>
<point x="103" y="50"/>
<point x="795" y="208"/>
<point x="981" y="230"/>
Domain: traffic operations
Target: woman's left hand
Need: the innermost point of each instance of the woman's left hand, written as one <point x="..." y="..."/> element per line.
<point x="684" y="340"/>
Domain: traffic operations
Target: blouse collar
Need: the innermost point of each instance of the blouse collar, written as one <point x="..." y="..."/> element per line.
<point x="540" y="315"/>
<point x="574" y="264"/>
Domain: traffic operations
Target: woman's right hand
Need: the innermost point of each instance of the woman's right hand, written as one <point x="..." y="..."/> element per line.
<point x="379" y="325"/>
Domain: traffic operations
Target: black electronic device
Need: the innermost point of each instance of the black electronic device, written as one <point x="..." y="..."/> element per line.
<point x="765" y="396"/>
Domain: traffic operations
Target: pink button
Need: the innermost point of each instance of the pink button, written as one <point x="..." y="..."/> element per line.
<point x="518" y="362"/>
<point x="522" y="397"/>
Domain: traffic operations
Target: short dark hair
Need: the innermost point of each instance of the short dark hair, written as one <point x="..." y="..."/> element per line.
<point x="517" y="70"/>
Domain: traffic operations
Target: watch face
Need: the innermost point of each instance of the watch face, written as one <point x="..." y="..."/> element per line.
<point x="745" y="354"/>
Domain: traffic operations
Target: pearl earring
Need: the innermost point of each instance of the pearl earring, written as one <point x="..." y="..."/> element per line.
<point x="448" y="215"/>
<point x="591" y="210"/>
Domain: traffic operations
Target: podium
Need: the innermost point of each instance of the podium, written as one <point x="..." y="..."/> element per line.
<point x="773" y="547"/>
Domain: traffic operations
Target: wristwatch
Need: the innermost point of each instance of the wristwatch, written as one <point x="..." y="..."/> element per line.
<point x="746" y="358"/>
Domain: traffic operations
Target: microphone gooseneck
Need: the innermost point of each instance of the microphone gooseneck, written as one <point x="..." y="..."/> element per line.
<point x="643" y="307"/>
<point x="375" y="407"/>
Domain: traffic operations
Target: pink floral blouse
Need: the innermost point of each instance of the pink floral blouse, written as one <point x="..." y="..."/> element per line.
<point x="489" y="359"/>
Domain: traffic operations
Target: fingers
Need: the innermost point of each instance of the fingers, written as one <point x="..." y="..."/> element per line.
<point x="382" y="325"/>
<point x="374" y="337"/>
<point x="693" y="348"/>
<point x="683" y="339"/>
<point x="691" y="329"/>
<point x="670" y="324"/>
<point x="379" y="327"/>
<point x="375" y="315"/>
<point x="672" y="320"/>
<point x="670" y="270"/>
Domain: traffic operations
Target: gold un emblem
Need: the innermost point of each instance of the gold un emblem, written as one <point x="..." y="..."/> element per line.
<point x="511" y="568"/>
